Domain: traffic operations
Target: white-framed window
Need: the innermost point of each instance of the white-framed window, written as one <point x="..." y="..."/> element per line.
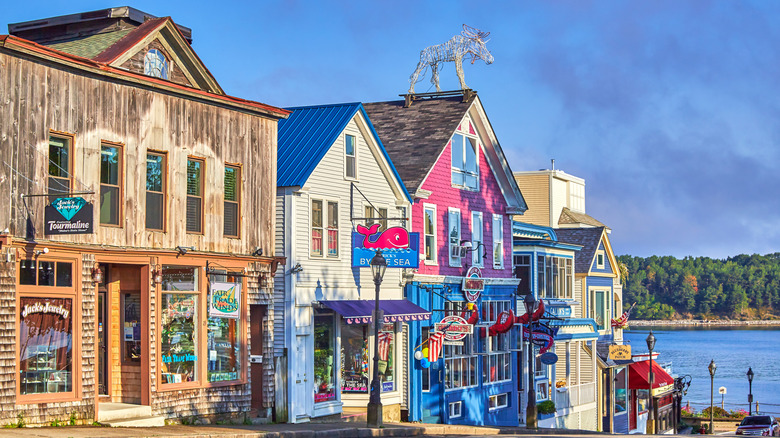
<point x="540" y="377"/>
<point x="324" y="228"/>
<point x="498" y="401"/>
<point x="496" y="359"/>
<point x="477" y="239"/>
<point x="429" y="229"/>
<point x="453" y="231"/>
<point x="556" y="276"/>
<point x="498" y="241"/>
<point x="456" y="409"/>
<point x="600" y="259"/>
<point x="465" y="165"/>
<point x="350" y="156"/>
<point x="522" y="270"/>
<point x="600" y="307"/>
<point x="376" y="215"/>
<point x="460" y="366"/>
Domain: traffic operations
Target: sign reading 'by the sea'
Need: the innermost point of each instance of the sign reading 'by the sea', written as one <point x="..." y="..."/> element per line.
<point x="68" y="216"/>
<point x="225" y="299"/>
<point x="400" y="248"/>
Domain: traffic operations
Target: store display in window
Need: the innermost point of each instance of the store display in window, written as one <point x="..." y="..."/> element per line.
<point x="354" y="358"/>
<point x="324" y="374"/>
<point x="45" y="345"/>
<point x="178" y="351"/>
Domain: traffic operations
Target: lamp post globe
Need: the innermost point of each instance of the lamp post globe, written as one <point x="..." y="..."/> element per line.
<point x="750" y="390"/>
<point x="651" y="417"/>
<point x="712" y="367"/>
<point x="374" y="410"/>
<point x="530" y="410"/>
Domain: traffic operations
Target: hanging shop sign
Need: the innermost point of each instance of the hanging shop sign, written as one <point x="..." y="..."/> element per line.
<point x="400" y="248"/>
<point x="543" y="337"/>
<point x="68" y="216"/>
<point x="455" y="328"/>
<point x="473" y="284"/>
<point x="225" y="299"/>
<point x="620" y="352"/>
<point x="548" y="358"/>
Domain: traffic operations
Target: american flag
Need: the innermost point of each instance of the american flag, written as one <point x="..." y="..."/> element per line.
<point x="434" y="345"/>
<point x="385" y="338"/>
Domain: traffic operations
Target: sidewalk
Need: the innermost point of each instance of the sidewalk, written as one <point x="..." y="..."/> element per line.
<point x="305" y="430"/>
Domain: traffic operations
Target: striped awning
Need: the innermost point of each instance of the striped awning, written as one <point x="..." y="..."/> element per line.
<point x="360" y="311"/>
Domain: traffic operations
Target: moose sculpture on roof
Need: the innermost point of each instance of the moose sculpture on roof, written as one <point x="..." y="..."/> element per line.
<point x="470" y="43"/>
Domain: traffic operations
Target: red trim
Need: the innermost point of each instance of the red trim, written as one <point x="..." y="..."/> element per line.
<point x="131" y="39"/>
<point x="638" y="375"/>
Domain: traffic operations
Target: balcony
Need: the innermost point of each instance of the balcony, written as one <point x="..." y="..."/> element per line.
<point x="574" y="395"/>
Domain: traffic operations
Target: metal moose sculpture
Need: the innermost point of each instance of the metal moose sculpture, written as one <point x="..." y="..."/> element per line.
<point x="469" y="44"/>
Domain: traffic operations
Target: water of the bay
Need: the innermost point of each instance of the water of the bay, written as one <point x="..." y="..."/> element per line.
<point x="734" y="349"/>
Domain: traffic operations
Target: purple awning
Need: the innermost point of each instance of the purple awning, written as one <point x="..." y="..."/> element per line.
<point x="360" y="311"/>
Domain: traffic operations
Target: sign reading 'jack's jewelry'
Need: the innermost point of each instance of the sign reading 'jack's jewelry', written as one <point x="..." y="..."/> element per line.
<point x="68" y="216"/>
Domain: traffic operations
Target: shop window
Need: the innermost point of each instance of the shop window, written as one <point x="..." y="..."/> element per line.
<point x="222" y="332"/>
<point x="111" y="163"/>
<point x="387" y="368"/>
<point x="376" y="215"/>
<point x="460" y="365"/>
<point x="498" y="401"/>
<point x="430" y="234"/>
<point x="195" y="195"/>
<point x="542" y="390"/>
<point x="642" y="400"/>
<point x="465" y="170"/>
<point x="155" y="191"/>
<point x="498" y="241"/>
<point x="232" y="215"/>
<point x="354" y="353"/>
<point x="426" y="372"/>
<point x="620" y="391"/>
<point x="45" y="273"/>
<point x="45" y="345"/>
<point x="350" y="157"/>
<point x="131" y="327"/>
<point x="541" y="376"/>
<point x="453" y="223"/>
<point x="324" y="357"/>
<point x="496" y="360"/>
<point x="456" y="409"/>
<point x="523" y="273"/>
<point x="60" y="181"/>
<point x="179" y="324"/>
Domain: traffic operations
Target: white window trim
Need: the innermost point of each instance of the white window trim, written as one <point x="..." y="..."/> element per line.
<point x="434" y="252"/>
<point x="347" y="177"/>
<point x="498" y="237"/>
<point x="497" y="306"/>
<point x="451" y="407"/>
<point x="477" y="146"/>
<point x="325" y="255"/>
<point x="501" y="406"/>
<point x="607" y="306"/>
<point x="455" y="262"/>
<point x="603" y="263"/>
<point x="477" y="251"/>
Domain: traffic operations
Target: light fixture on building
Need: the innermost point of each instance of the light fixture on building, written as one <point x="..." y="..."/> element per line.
<point x="257" y="252"/>
<point x="41" y="251"/>
<point x="156" y="275"/>
<point x="296" y="269"/>
<point x="97" y="274"/>
<point x="183" y="249"/>
<point x="262" y="278"/>
<point x="467" y="246"/>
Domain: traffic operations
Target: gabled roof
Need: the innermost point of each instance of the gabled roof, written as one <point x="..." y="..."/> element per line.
<point x="416" y="136"/>
<point x="308" y="134"/>
<point x="589" y="238"/>
<point x="89" y="46"/>
<point x="572" y="217"/>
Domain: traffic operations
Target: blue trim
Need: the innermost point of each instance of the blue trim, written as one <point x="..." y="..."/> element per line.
<point x="542" y="232"/>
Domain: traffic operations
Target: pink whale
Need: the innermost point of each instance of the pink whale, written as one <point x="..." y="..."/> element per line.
<point x="391" y="238"/>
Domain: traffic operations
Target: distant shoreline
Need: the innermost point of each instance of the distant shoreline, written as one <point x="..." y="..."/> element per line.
<point x="701" y="322"/>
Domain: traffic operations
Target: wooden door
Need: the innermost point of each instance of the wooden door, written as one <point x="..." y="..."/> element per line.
<point x="257" y="314"/>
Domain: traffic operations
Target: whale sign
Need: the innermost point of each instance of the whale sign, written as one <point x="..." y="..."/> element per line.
<point x="71" y="215"/>
<point x="399" y="247"/>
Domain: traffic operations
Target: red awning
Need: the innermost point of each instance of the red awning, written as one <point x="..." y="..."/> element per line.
<point x="639" y="375"/>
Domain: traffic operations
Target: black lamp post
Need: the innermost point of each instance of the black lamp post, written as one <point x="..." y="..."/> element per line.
<point x="650" y="417"/>
<point x="530" y="410"/>
<point x="712" y="369"/>
<point x="750" y="390"/>
<point x="374" y="411"/>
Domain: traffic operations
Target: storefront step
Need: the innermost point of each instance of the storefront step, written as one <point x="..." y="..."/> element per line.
<point x="157" y="421"/>
<point x="128" y="415"/>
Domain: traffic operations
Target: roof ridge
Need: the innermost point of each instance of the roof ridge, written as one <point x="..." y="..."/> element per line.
<point x="137" y="34"/>
<point x="330" y="105"/>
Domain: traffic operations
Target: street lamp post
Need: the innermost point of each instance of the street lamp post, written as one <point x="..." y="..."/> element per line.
<point x="750" y="390"/>
<point x="374" y="411"/>
<point x="712" y="369"/>
<point x="530" y="410"/>
<point x="650" y="417"/>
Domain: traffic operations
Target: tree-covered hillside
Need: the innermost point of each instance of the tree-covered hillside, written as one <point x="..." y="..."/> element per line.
<point x="741" y="287"/>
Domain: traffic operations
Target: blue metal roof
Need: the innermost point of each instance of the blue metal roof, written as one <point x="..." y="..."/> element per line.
<point x="307" y="135"/>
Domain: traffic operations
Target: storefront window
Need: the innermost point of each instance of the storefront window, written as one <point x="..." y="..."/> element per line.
<point x="324" y="355"/>
<point x="45" y="345"/>
<point x="222" y="328"/>
<point x="620" y="391"/>
<point x="354" y="358"/>
<point x="131" y="323"/>
<point x="179" y="325"/>
<point x="386" y="368"/>
<point x="460" y="366"/>
<point x="45" y="273"/>
<point x="642" y="398"/>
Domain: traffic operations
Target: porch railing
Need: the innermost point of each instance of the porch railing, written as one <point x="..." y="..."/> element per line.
<point x="575" y="395"/>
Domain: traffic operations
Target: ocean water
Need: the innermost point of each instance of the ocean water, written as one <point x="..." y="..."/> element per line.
<point x="690" y="349"/>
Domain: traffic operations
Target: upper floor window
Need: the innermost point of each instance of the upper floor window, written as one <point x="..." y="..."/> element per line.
<point x="232" y="201"/>
<point x="350" y="156"/>
<point x="498" y="241"/>
<point x="324" y="227"/>
<point x="577" y="197"/>
<point x="523" y="273"/>
<point x="454" y="236"/>
<point x="155" y="64"/>
<point x="111" y="164"/>
<point x="429" y="228"/>
<point x="60" y="180"/>
<point x="477" y="238"/>
<point x="555" y="276"/>
<point x="195" y="195"/>
<point x="465" y="170"/>
<point x="376" y="215"/>
<point x="600" y="264"/>
<point x="155" y="190"/>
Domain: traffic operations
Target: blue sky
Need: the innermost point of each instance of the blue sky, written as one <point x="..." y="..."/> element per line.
<point x="667" y="109"/>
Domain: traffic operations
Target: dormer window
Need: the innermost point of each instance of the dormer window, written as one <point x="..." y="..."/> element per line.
<point x="465" y="170"/>
<point x="155" y="64"/>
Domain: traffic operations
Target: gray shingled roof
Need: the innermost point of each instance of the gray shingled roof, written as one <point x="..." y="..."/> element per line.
<point x="589" y="238"/>
<point x="415" y="136"/>
<point x="90" y="46"/>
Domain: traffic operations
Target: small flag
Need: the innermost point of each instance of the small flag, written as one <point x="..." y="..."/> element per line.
<point x="385" y="338"/>
<point x="435" y="341"/>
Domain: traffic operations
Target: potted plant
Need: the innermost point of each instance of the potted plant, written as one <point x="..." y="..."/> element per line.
<point x="545" y="409"/>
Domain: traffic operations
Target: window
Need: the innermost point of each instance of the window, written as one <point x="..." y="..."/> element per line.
<point x="373" y="216"/>
<point x="232" y="201"/>
<point x="131" y="327"/>
<point x="556" y="276"/>
<point x="477" y="239"/>
<point x="223" y="337"/>
<point x="498" y="401"/>
<point x="316" y="227"/>
<point x="155" y="191"/>
<point x="333" y="229"/>
<point x="179" y="324"/>
<point x="599" y="309"/>
<point x="324" y="357"/>
<point x="327" y="235"/>
<point x="354" y="353"/>
<point x="600" y="259"/>
<point x="60" y="181"/>
<point x="498" y="241"/>
<point x="195" y="195"/>
<point x="497" y="360"/>
<point x="453" y="223"/>
<point x="620" y="391"/>
<point x="45" y="345"/>
<point x="577" y="197"/>
<point x="386" y="368"/>
<point x="523" y="272"/>
<point x="456" y="409"/>
<point x="465" y="171"/>
<point x="111" y="165"/>
<point x="460" y="366"/>
<point x="350" y="157"/>
<point x="430" y="234"/>
<point x="426" y="372"/>
<point x="540" y="377"/>
<point x="45" y="273"/>
<point x="155" y="64"/>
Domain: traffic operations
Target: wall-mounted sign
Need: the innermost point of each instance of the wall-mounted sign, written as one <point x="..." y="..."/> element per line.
<point x="473" y="284"/>
<point x="45" y="308"/>
<point x="620" y="352"/>
<point x="455" y="328"/>
<point x="548" y="358"/>
<point x="561" y="311"/>
<point x="68" y="216"/>
<point x="225" y="299"/>
<point x="399" y="247"/>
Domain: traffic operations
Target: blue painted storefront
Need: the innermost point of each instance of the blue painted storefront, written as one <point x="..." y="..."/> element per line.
<point x="433" y="405"/>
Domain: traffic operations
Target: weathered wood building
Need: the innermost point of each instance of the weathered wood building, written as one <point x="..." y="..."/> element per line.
<point x="137" y="209"/>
